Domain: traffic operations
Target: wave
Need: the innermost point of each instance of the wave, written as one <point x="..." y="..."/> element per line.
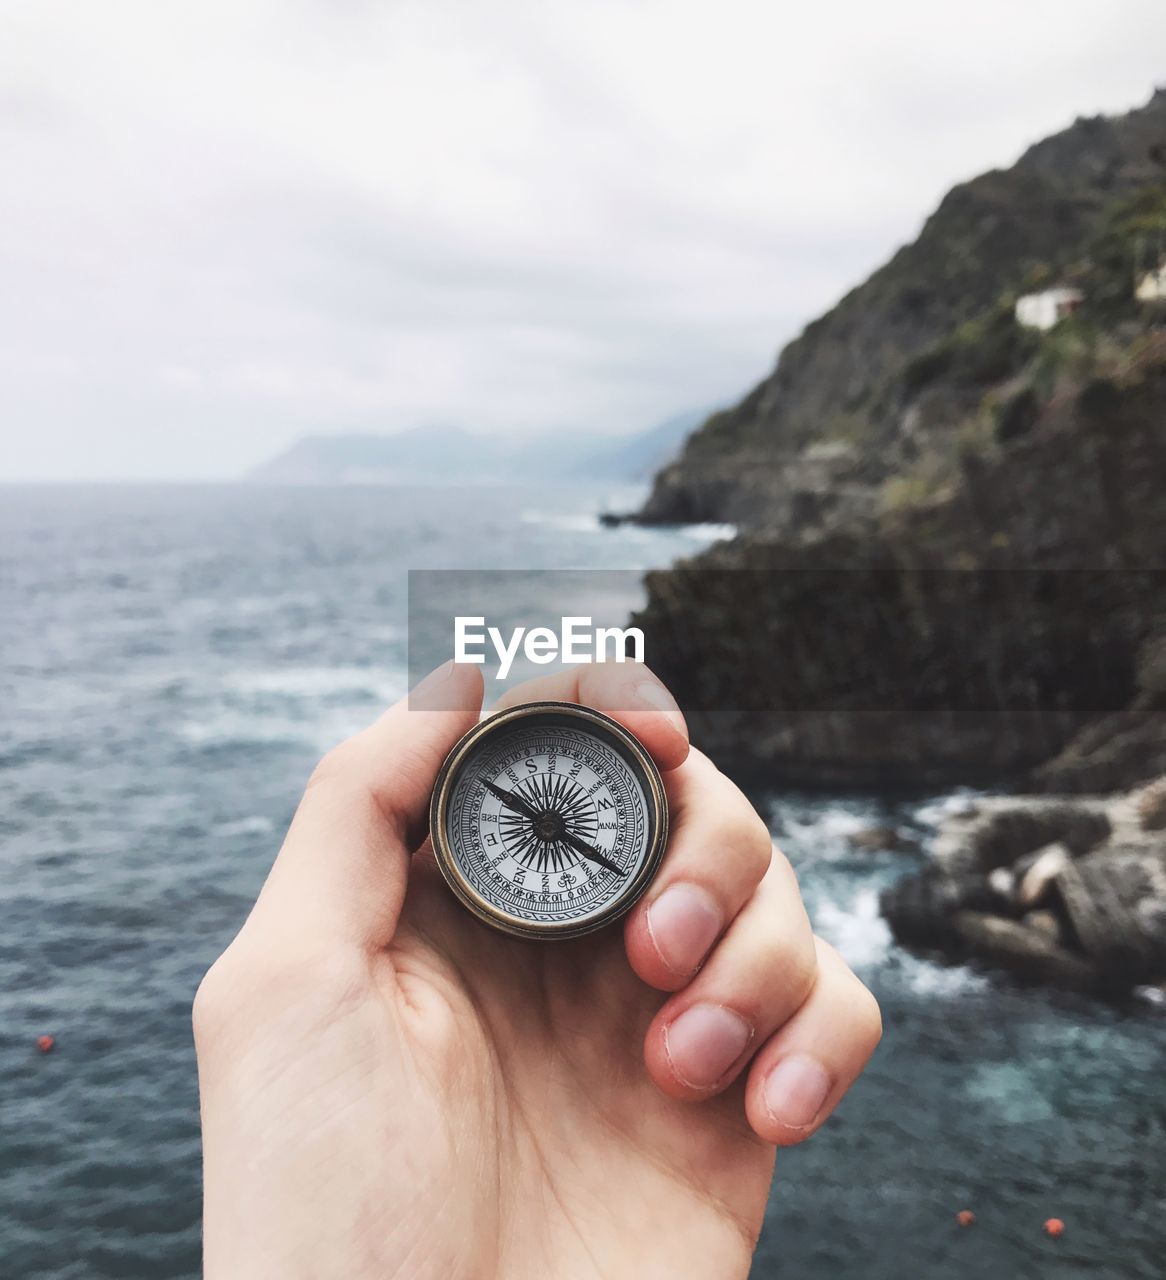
<point x="565" y="521"/>
<point x="708" y="533"/>
<point x="254" y="825"/>
<point x="319" y="682"/>
<point x="855" y="929"/>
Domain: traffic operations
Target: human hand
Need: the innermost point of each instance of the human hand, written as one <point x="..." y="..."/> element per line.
<point x="391" y="1089"/>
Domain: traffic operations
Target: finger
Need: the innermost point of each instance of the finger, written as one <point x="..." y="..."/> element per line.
<point x="626" y="691"/>
<point x="802" y="1072"/>
<point x="756" y="979"/>
<point x="718" y="851"/>
<point x="343" y="867"/>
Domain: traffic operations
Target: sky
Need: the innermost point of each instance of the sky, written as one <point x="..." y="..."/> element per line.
<point x="229" y="223"/>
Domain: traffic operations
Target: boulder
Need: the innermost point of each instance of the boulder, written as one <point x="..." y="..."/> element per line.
<point x="1114" y="902"/>
<point x="1037" y="880"/>
<point x="882" y="839"/>
<point x="1150" y="806"/>
<point x="918" y="908"/>
<point x="1046" y="923"/>
<point x="1000" y="838"/>
<point x="1023" y="950"/>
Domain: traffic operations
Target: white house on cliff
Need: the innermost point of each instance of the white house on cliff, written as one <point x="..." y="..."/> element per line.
<point x="1153" y="287"/>
<point x="1048" y="308"/>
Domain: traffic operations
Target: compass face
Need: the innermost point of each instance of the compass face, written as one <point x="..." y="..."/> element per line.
<point x="548" y="820"/>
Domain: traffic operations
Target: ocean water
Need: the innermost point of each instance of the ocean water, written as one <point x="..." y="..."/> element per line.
<point x="173" y="660"/>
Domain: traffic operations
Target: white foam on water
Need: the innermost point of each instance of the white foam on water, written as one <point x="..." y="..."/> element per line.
<point x="860" y="935"/>
<point x="238" y="726"/>
<point x="936" y="812"/>
<point x="255" y="825"/>
<point x="1153" y="996"/>
<point x="926" y="978"/>
<point x="319" y="682"/>
<point x="709" y="532"/>
<point x="836" y="824"/>
<point x="193" y="608"/>
<point x="1013" y="1091"/>
<point x="856" y="931"/>
<point x="564" y="521"/>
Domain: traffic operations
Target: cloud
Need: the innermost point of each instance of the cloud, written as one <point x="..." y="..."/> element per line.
<point x="231" y="223"/>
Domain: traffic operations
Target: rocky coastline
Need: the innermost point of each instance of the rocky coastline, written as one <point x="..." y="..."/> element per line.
<point x="950" y="565"/>
<point x="1069" y="892"/>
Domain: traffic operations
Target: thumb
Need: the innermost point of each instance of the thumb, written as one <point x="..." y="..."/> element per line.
<point x="344" y="865"/>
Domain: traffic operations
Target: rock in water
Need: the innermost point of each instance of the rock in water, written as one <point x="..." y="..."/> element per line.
<point x="1037" y="880"/>
<point x="882" y="840"/>
<point x="919" y="907"/>
<point x="1026" y="952"/>
<point x="1000" y="837"/>
<point x="1046" y="923"/>
<point x="1115" y="903"/>
<point x="1150" y="806"/>
<point x="1073" y="912"/>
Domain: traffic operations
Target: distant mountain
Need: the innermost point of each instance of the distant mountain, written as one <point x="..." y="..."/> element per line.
<point x="441" y="454"/>
<point x="423" y="455"/>
<point x="640" y="456"/>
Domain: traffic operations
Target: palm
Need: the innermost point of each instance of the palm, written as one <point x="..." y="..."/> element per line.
<point x="522" y="1063"/>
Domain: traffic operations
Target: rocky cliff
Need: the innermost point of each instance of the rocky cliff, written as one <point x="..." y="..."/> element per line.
<point x="855" y="395"/>
<point x="954" y="538"/>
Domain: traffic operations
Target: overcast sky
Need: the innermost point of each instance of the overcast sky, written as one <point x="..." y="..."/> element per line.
<point x="228" y="223"/>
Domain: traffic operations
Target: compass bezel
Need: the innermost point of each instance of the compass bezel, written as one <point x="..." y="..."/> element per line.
<point x="614" y="736"/>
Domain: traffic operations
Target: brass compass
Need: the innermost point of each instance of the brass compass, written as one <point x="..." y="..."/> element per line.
<point x="548" y="820"/>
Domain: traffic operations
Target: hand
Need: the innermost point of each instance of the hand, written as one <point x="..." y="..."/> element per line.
<point x="390" y="1089"/>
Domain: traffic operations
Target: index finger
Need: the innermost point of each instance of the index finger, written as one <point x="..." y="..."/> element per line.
<point x="627" y="691"/>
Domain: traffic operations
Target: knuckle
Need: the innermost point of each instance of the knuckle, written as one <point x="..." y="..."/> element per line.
<point x="795" y="963"/>
<point x="745" y="832"/>
<point x="867" y="1017"/>
<point x="864" y="1016"/>
<point x="802" y="971"/>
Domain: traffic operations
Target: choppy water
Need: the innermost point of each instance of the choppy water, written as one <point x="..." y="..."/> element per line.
<point x="171" y="663"/>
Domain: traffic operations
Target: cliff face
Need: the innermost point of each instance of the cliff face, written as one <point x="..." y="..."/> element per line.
<point x="839" y="410"/>
<point x="969" y="639"/>
<point x="954" y="539"/>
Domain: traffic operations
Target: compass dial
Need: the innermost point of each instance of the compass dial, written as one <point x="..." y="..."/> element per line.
<point x="548" y="820"/>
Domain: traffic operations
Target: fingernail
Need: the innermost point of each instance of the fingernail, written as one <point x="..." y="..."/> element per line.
<point x="796" y="1090"/>
<point x="683" y="924"/>
<point x="653" y="694"/>
<point x="425" y="691"/>
<point x="704" y="1042"/>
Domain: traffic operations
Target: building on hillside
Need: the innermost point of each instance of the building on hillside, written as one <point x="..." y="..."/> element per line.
<point x="1153" y="287"/>
<point x="1048" y="308"/>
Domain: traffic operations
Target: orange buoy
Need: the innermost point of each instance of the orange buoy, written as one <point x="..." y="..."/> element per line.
<point x="965" y="1217"/>
<point x="1054" y="1227"/>
<point x="45" y="1043"/>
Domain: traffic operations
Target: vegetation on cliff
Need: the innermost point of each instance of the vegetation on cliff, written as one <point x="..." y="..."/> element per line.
<point x="917" y="347"/>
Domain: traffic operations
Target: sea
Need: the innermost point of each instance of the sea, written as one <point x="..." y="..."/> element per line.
<point x="172" y="662"/>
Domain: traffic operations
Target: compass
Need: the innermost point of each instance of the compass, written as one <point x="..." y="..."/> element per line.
<point x="548" y="820"/>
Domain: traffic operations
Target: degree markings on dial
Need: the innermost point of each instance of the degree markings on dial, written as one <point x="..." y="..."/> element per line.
<point x="587" y="785"/>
